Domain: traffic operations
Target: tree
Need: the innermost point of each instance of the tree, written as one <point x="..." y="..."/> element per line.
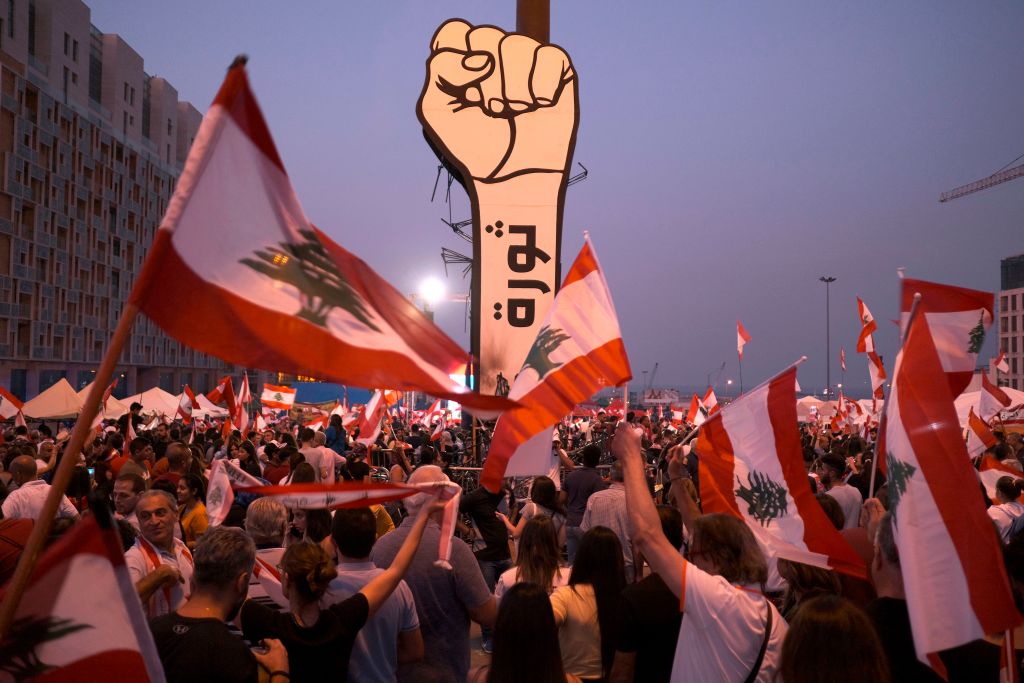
<point x="19" y="658"/>
<point x="766" y="499"/>
<point x="309" y="268"/>
<point x="539" y="357"/>
<point x="900" y="473"/>
<point x="977" y="336"/>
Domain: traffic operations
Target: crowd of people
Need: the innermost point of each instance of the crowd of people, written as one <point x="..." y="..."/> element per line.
<point x="607" y="569"/>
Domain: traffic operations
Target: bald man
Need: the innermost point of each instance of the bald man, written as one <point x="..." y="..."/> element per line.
<point x="26" y="502"/>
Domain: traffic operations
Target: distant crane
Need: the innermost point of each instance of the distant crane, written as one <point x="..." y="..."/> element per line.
<point x="1001" y="176"/>
<point x="650" y="379"/>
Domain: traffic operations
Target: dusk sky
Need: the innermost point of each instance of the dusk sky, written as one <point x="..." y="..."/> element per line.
<point x="738" y="151"/>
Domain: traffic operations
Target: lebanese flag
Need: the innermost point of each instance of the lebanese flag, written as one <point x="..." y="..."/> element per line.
<point x="578" y="351"/>
<point x="742" y="337"/>
<point x="678" y="417"/>
<point x="991" y="399"/>
<point x="101" y="414"/>
<point x="433" y="412"/>
<point x="441" y="426"/>
<point x="876" y="371"/>
<point x="277" y="397"/>
<point x="979" y="436"/>
<point x="958" y="319"/>
<point x="10" y="405"/>
<point x="337" y="410"/>
<point x="224" y="391"/>
<point x="752" y="467"/>
<point x="186" y="404"/>
<point x="259" y="423"/>
<point x="661" y="413"/>
<point x="80" y="618"/>
<point x="865" y="341"/>
<point x="266" y="288"/>
<point x="842" y="358"/>
<point x="710" y="401"/>
<point x="244" y="396"/>
<point x="696" y="414"/>
<point x="1000" y="363"/>
<point x="945" y="539"/>
<point x="369" y="422"/>
<point x="991" y="470"/>
<point x="129" y="436"/>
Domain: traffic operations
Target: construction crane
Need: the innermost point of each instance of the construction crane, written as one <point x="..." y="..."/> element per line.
<point x="650" y="378"/>
<point x="1001" y="176"/>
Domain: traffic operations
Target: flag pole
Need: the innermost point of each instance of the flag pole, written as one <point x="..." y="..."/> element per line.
<point x="62" y="475"/>
<point x="740" y="355"/>
<point x="885" y="406"/>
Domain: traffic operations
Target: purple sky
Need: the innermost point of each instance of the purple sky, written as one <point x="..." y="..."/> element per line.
<point x="738" y="151"/>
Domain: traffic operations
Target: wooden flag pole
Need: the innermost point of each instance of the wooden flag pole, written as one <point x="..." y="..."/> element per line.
<point x="62" y="475"/>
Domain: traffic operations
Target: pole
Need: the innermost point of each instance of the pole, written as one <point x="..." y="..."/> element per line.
<point x="41" y="529"/>
<point x="740" y="355"/>
<point x="625" y="398"/>
<point x="828" y="280"/>
<point x="533" y="18"/>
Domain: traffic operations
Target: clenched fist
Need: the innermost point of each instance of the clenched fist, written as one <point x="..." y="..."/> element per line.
<point x="499" y="104"/>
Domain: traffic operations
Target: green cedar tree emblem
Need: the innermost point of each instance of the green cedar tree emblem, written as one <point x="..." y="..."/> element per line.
<point x="278" y="397"/>
<point x="539" y="357"/>
<point x="977" y="336"/>
<point x="766" y="499"/>
<point x="18" y="656"/>
<point x="899" y="474"/>
<point x="309" y="268"/>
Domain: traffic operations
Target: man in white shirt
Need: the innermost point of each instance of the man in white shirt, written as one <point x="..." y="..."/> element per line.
<point x="608" y="508"/>
<point x="266" y="521"/>
<point x="833" y="467"/>
<point x="322" y="459"/>
<point x="159" y="564"/>
<point x="392" y="635"/>
<point x="27" y="500"/>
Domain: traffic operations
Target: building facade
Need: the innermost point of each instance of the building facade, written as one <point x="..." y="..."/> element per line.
<point x="90" y="149"/>
<point x="1011" y="320"/>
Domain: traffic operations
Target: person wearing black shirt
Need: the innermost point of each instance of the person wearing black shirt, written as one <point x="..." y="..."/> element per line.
<point x="194" y="643"/>
<point x="649" y="620"/>
<point x="577" y="487"/>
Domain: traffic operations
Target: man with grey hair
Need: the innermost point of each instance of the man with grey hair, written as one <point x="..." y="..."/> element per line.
<point x="608" y="508"/>
<point x="266" y="522"/>
<point x="159" y="564"/>
<point x="193" y="641"/>
<point x="446" y="600"/>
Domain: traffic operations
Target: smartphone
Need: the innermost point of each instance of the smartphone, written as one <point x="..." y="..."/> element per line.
<point x="91" y="471"/>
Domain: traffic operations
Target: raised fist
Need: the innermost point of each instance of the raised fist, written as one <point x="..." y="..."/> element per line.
<point x="499" y="104"/>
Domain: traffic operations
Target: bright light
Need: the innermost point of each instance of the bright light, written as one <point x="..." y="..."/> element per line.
<point x="729" y="382"/>
<point x="432" y="290"/>
<point x="839" y="386"/>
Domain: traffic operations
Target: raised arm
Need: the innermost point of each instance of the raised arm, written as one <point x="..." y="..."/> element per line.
<point x="378" y="590"/>
<point x="647" y="534"/>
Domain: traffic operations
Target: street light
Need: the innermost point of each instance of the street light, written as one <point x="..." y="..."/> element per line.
<point x="828" y="280"/>
<point x="432" y="291"/>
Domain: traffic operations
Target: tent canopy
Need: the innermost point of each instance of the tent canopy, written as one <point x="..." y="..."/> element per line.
<point x="155" y="401"/>
<point x="114" y="409"/>
<point x="969" y="399"/>
<point x="58" y="402"/>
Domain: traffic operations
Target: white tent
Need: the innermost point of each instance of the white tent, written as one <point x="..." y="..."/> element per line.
<point x="155" y="401"/>
<point x="804" y="405"/>
<point x="208" y="409"/>
<point x="115" y="408"/>
<point x="58" y="402"/>
<point x="969" y="399"/>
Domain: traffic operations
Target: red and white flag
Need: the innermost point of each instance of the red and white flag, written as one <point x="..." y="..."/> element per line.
<point x="752" y="467"/>
<point x="265" y="288"/>
<point x="578" y="350"/>
<point x="958" y="319"/>
<point x="696" y="415"/>
<point x="866" y="340"/>
<point x="259" y="423"/>
<point x="946" y="542"/>
<point x="990" y="471"/>
<point x="369" y="422"/>
<point x="337" y="410"/>
<point x="224" y="392"/>
<point x="186" y="404"/>
<point x="979" y="436"/>
<point x="244" y="395"/>
<point x="710" y="401"/>
<point x="842" y="358"/>
<point x="278" y="397"/>
<point x="1000" y="363"/>
<point x="442" y="424"/>
<point x="742" y="337"/>
<point x="80" y="618"/>
<point x="10" y="405"/>
<point x="434" y="412"/>
<point x="991" y="400"/>
<point x="876" y="371"/>
<point x="101" y="414"/>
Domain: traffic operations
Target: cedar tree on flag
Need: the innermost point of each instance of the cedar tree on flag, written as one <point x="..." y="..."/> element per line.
<point x="865" y="341"/>
<point x="578" y="350"/>
<point x="752" y="467"/>
<point x="958" y="319"/>
<point x="696" y="415"/>
<point x="947" y="545"/>
<point x="742" y="337"/>
<point x="267" y="289"/>
<point x="80" y="618"/>
<point x="710" y="401"/>
<point x="277" y="397"/>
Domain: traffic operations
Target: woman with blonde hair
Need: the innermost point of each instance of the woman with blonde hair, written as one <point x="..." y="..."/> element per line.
<point x="537" y="561"/>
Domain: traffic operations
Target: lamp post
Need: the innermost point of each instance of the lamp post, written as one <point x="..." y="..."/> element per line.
<point x="828" y="280"/>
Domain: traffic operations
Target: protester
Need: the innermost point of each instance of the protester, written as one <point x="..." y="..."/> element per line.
<point x="526" y="646"/>
<point x="832" y="471"/>
<point x="319" y="641"/>
<point x="446" y="600"/>
<point x="194" y="642"/>
<point x="192" y="508"/>
<point x="537" y="559"/>
<point x="266" y="522"/>
<point x="543" y="503"/>
<point x="127" y="488"/>
<point x="392" y="635"/>
<point x="730" y="631"/>
<point x="26" y="501"/>
<point x="1007" y="507"/>
<point x="608" y="509"/>
<point x="159" y="564"/>
<point x="577" y="487"/>
<point x="140" y="455"/>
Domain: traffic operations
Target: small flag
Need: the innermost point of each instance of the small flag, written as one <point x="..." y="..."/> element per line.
<point x="991" y="399"/>
<point x="742" y="337"/>
<point x="876" y="371"/>
<point x="224" y="392"/>
<point x="10" y="404"/>
<point x="373" y="413"/>
<point x="277" y="397"/>
<point x="842" y="358"/>
<point x="186" y="404"/>
<point x="866" y="340"/>
<point x="1001" y="364"/>
<point x="710" y="401"/>
<point x="979" y="437"/>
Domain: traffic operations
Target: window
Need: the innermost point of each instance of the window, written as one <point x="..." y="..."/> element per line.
<point x="10" y="18"/>
<point x="67" y="44"/>
<point x="74" y="51"/>
<point x="169" y="126"/>
<point x="126" y="91"/>
<point x="74" y="78"/>
<point x="1013" y="344"/>
<point x="124" y="122"/>
<point x="1003" y="303"/>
